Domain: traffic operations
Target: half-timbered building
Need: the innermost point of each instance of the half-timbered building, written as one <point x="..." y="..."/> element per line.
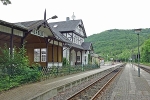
<point x="77" y="53"/>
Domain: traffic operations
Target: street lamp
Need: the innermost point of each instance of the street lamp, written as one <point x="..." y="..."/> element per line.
<point x="53" y="17"/>
<point x="138" y="31"/>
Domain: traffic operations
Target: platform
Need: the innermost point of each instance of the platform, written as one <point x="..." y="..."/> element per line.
<point x="132" y="87"/>
<point x="28" y="92"/>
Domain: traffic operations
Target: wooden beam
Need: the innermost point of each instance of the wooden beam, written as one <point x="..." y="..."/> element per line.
<point x="57" y="51"/>
<point x="8" y="41"/>
<point x="11" y="41"/>
<point x="22" y="39"/>
<point x="53" y="52"/>
<point x="81" y="56"/>
<point x="70" y="34"/>
<point x="25" y="34"/>
<point x="70" y="56"/>
<point x="76" y="57"/>
<point x="62" y="54"/>
<point x="47" y="52"/>
<point x="72" y="37"/>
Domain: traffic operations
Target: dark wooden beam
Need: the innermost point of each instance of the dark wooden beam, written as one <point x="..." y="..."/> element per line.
<point x="73" y="32"/>
<point x="47" y="52"/>
<point x="22" y="39"/>
<point x="76" y="57"/>
<point x="26" y="34"/>
<point x="72" y="37"/>
<point x="70" y="34"/>
<point x="81" y="56"/>
<point x="8" y="41"/>
<point x="53" y="52"/>
<point x="57" y="51"/>
<point x="70" y="56"/>
<point x="11" y="41"/>
<point x="62" y="54"/>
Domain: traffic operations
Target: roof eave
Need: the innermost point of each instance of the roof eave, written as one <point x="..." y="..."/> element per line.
<point x="12" y="25"/>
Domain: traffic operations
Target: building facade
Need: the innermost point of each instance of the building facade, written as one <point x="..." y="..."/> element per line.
<point x="77" y="51"/>
<point x="43" y="46"/>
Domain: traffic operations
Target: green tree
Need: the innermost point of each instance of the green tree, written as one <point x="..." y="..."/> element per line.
<point x="6" y="2"/>
<point x="145" y="51"/>
<point x="117" y="42"/>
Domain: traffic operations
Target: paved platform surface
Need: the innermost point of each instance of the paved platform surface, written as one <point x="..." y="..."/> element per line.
<point x="132" y="87"/>
<point x="28" y="91"/>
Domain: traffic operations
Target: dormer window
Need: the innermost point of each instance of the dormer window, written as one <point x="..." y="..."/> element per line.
<point x="38" y="33"/>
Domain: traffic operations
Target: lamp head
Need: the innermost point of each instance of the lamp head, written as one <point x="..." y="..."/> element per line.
<point x="54" y="17"/>
<point x="137" y="30"/>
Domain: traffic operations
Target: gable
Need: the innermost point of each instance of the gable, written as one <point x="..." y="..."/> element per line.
<point x="80" y="29"/>
<point x="75" y="26"/>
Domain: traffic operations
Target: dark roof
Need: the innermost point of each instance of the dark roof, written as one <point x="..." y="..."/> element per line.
<point x="65" y="25"/>
<point x="30" y="24"/>
<point x="59" y="36"/>
<point x="86" y="45"/>
<point x="13" y="25"/>
<point x="33" y="24"/>
<point x="77" y="46"/>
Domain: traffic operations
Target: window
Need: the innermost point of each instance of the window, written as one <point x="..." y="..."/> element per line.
<point x="38" y="33"/>
<point x="78" y="58"/>
<point x="36" y="55"/>
<point x="43" y="55"/>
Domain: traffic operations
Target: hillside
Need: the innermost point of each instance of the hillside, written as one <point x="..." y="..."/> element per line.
<point x="114" y="42"/>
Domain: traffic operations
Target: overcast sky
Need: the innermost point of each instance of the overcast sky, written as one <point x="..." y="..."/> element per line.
<point x="97" y="15"/>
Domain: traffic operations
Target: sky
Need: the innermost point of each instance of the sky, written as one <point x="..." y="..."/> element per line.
<point x="97" y="15"/>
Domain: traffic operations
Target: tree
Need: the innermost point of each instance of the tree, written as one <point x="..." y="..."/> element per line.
<point x="117" y="42"/>
<point x="5" y="2"/>
<point x="145" y="52"/>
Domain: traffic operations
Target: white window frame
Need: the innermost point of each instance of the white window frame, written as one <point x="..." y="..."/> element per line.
<point x="43" y="55"/>
<point x="37" y="54"/>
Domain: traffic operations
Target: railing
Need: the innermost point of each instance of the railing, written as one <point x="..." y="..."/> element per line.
<point x="12" y="76"/>
<point x="64" y="70"/>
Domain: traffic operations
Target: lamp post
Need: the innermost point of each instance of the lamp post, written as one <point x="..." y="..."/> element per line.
<point x="132" y="58"/>
<point x="138" y="31"/>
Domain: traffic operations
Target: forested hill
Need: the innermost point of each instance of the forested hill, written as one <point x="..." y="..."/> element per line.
<point x="115" y="41"/>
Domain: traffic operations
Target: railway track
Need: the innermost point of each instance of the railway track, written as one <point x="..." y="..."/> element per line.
<point x="146" y="69"/>
<point x="96" y="89"/>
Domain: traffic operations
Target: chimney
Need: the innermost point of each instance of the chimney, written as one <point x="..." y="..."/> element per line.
<point x="67" y="18"/>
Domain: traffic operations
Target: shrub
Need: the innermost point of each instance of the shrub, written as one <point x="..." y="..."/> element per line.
<point x="14" y="68"/>
<point x="65" y="62"/>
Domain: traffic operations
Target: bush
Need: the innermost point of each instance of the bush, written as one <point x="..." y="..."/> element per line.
<point x="14" y="68"/>
<point x="65" y="62"/>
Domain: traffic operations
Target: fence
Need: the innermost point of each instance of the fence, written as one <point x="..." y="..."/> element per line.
<point x="12" y="77"/>
<point x="64" y="70"/>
